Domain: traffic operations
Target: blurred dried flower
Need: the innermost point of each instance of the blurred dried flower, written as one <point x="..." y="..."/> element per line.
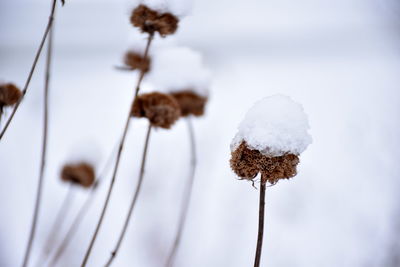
<point x="151" y="21"/>
<point x="247" y="163"/>
<point x="9" y="94"/>
<point x="160" y="109"/>
<point x="190" y="102"/>
<point x="136" y="61"/>
<point x="80" y="173"/>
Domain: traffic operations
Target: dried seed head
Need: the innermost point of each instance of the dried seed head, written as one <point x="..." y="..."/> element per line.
<point x="247" y="163"/>
<point x="161" y="110"/>
<point x="81" y="173"/>
<point x="9" y="94"/>
<point x="151" y="21"/>
<point x="190" y="103"/>
<point x="136" y="61"/>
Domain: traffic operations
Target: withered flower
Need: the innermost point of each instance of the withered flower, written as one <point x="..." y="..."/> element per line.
<point x="160" y="109"/>
<point x="9" y="95"/>
<point x="82" y="174"/>
<point x="247" y="163"/>
<point x="190" y="103"/>
<point x="136" y="61"/>
<point x="151" y="21"/>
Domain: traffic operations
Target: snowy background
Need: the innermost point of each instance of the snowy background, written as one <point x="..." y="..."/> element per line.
<point x="340" y="59"/>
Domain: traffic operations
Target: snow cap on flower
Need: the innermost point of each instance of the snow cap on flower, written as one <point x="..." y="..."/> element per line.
<point x="160" y="109"/>
<point x="275" y="126"/>
<point x="177" y="69"/>
<point x="270" y="138"/>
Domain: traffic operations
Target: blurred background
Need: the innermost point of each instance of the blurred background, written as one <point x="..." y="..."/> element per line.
<point x="340" y="59"/>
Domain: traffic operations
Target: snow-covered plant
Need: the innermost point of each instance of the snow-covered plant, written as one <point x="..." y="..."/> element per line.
<point x="269" y="141"/>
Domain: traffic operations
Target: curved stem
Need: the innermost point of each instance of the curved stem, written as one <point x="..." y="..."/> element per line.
<point x="44" y="142"/>
<point x="26" y="86"/>
<point x="187" y="196"/>
<point x="134" y="199"/>
<point x="116" y="166"/>
<point x="82" y="212"/>
<point x="260" y="225"/>
<point x="57" y="224"/>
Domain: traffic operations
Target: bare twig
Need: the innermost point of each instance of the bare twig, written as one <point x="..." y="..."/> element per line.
<point x="187" y="196"/>
<point x="260" y="224"/>
<point x="82" y="211"/>
<point x="134" y="199"/>
<point x="39" y="51"/>
<point x="44" y="142"/>
<point x="121" y="147"/>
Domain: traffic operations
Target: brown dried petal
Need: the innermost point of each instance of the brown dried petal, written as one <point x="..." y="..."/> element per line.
<point x="161" y="110"/>
<point x="81" y="173"/>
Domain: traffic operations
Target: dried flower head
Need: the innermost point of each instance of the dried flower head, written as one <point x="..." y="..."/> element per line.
<point x="247" y="163"/>
<point x="160" y="109"/>
<point x="190" y="103"/>
<point x="136" y="61"/>
<point x="9" y="94"/>
<point x="151" y="21"/>
<point x="80" y="173"/>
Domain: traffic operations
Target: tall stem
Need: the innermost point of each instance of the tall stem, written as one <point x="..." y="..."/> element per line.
<point x="187" y="196"/>
<point x="38" y="52"/>
<point x="260" y="224"/>
<point x="120" y="149"/>
<point x="134" y="199"/>
<point x="57" y="224"/>
<point x="44" y="141"/>
<point x="82" y="212"/>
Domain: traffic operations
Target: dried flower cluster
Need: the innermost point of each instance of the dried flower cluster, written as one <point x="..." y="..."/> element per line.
<point x="247" y="163"/>
<point x="151" y="21"/>
<point x="80" y="173"/>
<point x="136" y="61"/>
<point x="9" y="95"/>
<point x="190" y="103"/>
<point x="160" y="109"/>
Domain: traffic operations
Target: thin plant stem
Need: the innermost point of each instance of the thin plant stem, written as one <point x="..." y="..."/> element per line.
<point x="117" y="161"/>
<point x="260" y="224"/>
<point x="82" y="212"/>
<point x="57" y="224"/>
<point x="187" y="196"/>
<point x="44" y="144"/>
<point x="134" y="199"/>
<point x="38" y="52"/>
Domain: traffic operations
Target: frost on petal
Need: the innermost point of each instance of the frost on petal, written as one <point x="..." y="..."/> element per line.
<point x="177" y="69"/>
<point x="275" y="126"/>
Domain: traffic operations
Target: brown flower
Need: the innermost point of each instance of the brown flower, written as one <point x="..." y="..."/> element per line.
<point x="80" y="173"/>
<point x="247" y="163"/>
<point x="136" y="61"/>
<point x="190" y="103"/>
<point x="151" y="21"/>
<point x="161" y="110"/>
<point x="9" y="94"/>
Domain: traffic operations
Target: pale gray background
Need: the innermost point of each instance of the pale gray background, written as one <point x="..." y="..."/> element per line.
<point x="340" y="59"/>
